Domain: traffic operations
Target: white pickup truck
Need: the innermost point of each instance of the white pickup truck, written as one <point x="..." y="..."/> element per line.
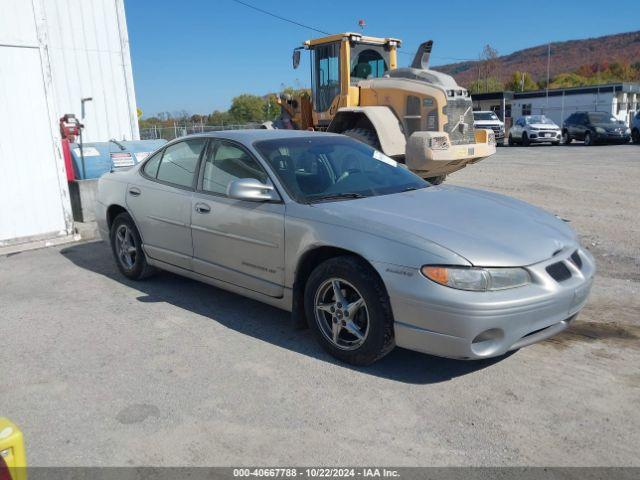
<point x="490" y="121"/>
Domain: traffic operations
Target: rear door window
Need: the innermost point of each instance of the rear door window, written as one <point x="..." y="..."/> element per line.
<point x="151" y="166"/>
<point x="180" y="162"/>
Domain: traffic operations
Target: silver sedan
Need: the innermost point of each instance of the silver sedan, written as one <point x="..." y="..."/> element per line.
<point x="357" y="247"/>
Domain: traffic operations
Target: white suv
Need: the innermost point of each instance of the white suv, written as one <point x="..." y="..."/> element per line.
<point x="490" y="121"/>
<point x="534" y="129"/>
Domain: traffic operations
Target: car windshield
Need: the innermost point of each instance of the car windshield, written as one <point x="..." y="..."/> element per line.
<point x="485" y="116"/>
<point x="321" y="168"/>
<point x="539" y="119"/>
<point x="601" y="117"/>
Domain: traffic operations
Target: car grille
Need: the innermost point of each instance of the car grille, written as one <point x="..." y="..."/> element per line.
<point x="460" y="132"/>
<point x="559" y="272"/>
<point x="577" y="261"/>
<point x="496" y="128"/>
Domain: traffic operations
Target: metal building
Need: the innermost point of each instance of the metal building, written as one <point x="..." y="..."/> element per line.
<point x="622" y="100"/>
<point x="53" y="54"/>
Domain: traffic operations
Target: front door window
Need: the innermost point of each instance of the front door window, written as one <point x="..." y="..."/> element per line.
<point x="327" y="75"/>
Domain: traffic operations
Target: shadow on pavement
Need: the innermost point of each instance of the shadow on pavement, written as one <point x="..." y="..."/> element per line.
<point x="264" y="322"/>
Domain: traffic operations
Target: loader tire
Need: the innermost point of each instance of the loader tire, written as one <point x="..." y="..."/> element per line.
<point x="364" y="135"/>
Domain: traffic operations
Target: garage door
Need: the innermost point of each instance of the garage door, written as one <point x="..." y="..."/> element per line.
<point x="31" y="197"/>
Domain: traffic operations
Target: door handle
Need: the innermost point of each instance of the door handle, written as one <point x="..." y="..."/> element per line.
<point x="202" y="208"/>
<point x="134" y="191"/>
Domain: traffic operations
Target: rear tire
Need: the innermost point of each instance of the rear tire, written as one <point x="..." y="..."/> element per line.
<point x="635" y="136"/>
<point x="359" y="335"/>
<point x="364" y="135"/>
<point x="511" y="142"/>
<point x="126" y="246"/>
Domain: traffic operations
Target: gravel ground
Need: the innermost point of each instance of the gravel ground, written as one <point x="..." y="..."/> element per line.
<point x="98" y="370"/>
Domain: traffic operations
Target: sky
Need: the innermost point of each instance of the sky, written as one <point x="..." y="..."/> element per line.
<point x="196" y="55"/>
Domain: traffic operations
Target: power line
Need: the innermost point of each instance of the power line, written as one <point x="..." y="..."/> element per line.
<point x="281" y="18"/>
<point x="253" y="7"/>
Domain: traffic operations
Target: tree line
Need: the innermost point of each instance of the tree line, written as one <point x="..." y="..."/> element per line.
<point x="490" y="69"/>
<point x="244" y="109"/>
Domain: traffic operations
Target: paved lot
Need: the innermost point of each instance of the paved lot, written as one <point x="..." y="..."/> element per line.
<point x="98" y="370"/>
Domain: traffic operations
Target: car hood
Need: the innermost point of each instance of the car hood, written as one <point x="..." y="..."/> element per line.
<point x="487" y="122"/>
<point x="485" y="228"/>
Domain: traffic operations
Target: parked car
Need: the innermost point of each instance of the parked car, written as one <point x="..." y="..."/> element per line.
<point x="534" y="129"/>
<point x="635" y="128"/>
<point x="368" y="253"/>
<point x="490" y="121"/>
<point x="594" y="127"/>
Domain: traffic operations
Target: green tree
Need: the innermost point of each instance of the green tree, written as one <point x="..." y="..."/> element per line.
<point x="485" y="85"/>
<point x="247" y="108"/>
<point x="567" y="80"/>
<point x="521" y="82"/>
<point x="219" y="118"/>
<point x="271" y="107"/>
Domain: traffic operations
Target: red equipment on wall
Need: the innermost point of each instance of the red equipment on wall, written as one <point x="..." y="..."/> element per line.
<point x="70" y="128"/>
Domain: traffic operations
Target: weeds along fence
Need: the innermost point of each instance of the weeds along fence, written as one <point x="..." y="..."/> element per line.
<point x="181" y="129"/>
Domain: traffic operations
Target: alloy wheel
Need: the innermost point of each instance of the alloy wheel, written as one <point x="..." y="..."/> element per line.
<point x="126" y="247"/>
<point x="341" y="314"/>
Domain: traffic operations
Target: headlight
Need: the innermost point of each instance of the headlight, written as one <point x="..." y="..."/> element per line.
<point x="627" y="131"/>
<point x="439" y="143"/>
<point x="477" y="279"/>
<point x="600" y="130"/>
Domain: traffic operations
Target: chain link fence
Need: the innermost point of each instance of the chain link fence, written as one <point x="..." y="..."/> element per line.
<point x="169" y="132"/>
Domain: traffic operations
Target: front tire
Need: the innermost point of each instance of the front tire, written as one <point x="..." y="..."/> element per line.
<point x="525" y="140"/>
<point x="126" y="246"/>
<point x="566" y="138"/>
<point x="588" y="139"/>
<point x="348" y="309"/>
<point x="635" y="136"/>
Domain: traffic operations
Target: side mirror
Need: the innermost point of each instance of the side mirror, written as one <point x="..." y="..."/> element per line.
<point x="296" y="58"/>
<point x="251" y="190"/>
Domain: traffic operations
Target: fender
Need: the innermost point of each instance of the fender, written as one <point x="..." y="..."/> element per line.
<point x="381" y="118"/>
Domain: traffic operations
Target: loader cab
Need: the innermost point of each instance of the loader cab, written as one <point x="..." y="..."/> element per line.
<point x="339" y="62"/>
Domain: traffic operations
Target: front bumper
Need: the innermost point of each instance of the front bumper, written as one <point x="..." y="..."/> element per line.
<point x="610" y="137"/>
<point x="426" y="161"/>
<point x="541" y="137"/>
<point x="442" y="321"/>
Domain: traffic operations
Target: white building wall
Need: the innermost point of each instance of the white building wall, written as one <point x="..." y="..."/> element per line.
<point x="34" y="197"/>
<point x="559" y="107"/>
<point x="52" y="54"/>
<point x="89" y="54"/>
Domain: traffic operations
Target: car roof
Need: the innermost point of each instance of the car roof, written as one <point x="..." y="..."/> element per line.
<point x="252" y="135"/>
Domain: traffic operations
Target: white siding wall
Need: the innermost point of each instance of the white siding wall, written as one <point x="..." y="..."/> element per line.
<point x="34" y="198"/>
<point x="53" y="53"/>
<point x="89" y="54"/>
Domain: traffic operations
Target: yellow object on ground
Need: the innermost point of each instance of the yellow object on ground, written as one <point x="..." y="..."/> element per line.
<point x="12" y="449"/>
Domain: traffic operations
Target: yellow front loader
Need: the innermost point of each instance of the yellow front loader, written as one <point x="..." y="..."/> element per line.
<point x="416" y="115"/>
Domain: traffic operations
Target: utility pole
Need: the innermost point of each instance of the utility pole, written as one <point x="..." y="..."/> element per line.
<point x="548" y="67"/>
